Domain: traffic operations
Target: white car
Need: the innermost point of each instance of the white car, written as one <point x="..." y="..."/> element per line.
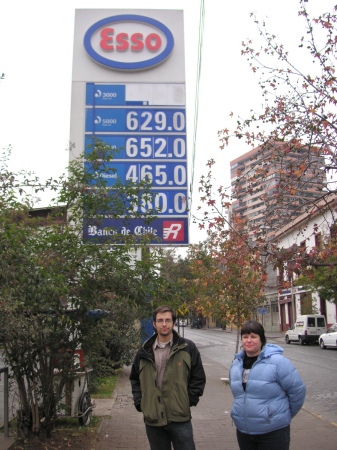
<point x="329" y="339"/>
<point x="182" y="322"/>
<point x="306" y="329"/>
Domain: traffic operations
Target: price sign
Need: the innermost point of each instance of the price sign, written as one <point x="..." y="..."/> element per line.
<point x="136" y="147"/>
<point x="151" y="138"/>
<point x="167" y="174"/>
<point x="140" y="120"/>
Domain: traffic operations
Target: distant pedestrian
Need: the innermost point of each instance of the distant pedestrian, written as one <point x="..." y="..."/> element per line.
<point x="268" y="392"/>
<point x="167" y="378"/>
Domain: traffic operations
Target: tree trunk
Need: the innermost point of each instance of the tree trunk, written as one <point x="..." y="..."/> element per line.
<point x="238" y="331"/>
<point x="22" y="426"/>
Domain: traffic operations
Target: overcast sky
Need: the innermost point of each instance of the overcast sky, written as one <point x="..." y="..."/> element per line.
<point x="36" y="43"/>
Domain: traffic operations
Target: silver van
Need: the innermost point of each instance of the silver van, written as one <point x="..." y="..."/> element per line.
<point x="307" y="329"/>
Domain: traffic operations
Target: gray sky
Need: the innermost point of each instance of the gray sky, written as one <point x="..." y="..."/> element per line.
<point x="36" y="42"/>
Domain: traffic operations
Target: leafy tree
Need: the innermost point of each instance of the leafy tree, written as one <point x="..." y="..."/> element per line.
<point x="294" y="132"/>
<point x="205" y="274"/>
<point x="51" y="277"/>
<point x="177" y="281"/>
<point x="230" y="276"/>
<point x="299" y="115"/>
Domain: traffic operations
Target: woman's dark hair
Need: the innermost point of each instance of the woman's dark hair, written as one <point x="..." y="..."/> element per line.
<point x="251" y="326"/>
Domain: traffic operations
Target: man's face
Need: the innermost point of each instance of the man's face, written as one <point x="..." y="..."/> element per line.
<point x="164" y="325"/>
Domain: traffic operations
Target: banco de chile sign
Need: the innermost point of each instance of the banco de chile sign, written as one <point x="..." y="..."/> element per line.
<point x="116" y="43"/>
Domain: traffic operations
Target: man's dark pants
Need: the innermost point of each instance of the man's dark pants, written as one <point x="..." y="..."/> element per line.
<point x="180" y="434"/>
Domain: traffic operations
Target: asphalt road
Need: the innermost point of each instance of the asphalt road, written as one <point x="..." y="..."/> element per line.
<point x="317" y="367"/>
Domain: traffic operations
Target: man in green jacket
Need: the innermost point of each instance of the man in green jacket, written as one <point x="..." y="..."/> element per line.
<point x="167" y="378"/>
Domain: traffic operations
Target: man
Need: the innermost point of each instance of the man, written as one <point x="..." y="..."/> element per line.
<point x="167" y="378"/>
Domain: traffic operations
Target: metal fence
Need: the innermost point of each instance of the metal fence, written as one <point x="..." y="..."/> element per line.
<point x="4" y="370"/>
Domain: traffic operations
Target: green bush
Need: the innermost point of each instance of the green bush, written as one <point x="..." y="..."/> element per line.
<point x="114" y="340"/>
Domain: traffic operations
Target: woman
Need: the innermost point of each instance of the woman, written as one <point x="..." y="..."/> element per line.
<point x="268" y="392"/>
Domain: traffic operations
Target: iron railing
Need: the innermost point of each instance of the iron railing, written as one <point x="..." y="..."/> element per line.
<point x="4" y="370"/>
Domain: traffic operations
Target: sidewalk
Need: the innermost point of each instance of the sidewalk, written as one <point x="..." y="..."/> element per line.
<point x="212" y="424"/>
<point x="5" y="442"/>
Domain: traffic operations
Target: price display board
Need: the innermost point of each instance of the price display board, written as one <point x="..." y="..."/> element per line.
<point x="152" y="135"/>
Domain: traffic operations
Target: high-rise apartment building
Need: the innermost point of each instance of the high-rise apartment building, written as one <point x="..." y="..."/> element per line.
<point x="274" y="184"/>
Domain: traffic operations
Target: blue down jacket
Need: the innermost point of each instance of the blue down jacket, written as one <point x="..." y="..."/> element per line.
<point x="274" y="392"/>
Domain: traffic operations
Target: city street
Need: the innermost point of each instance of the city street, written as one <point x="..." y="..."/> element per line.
<point x="317" y="367"/>
<point x="315" y="426"/>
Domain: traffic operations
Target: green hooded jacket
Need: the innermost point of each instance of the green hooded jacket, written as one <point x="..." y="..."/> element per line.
<point x="183" y="382"/>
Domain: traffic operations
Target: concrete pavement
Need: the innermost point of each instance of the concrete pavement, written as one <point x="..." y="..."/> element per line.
<point x="6" y="442"/>
<point x="123" y="426"/>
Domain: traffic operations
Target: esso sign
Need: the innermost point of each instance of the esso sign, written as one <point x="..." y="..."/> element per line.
<point x="123" y="42"/>
<point x="129" y="42"/>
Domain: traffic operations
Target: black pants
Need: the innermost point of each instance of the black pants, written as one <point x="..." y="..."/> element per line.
<point x="276" y="440"/>
<point x="180" y="434"/>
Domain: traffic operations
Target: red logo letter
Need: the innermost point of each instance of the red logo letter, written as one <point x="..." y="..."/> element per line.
<point x="137" y="39"/>
<point x="173" y="231"/>
<point x="153" y="37"/>
<point x="122" y="38"/>
<point x="107" y="39"/>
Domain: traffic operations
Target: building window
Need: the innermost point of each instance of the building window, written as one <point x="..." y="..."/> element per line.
<point x="318" y="241"/>
<point x="303" y="247"/>
<point x="307" y="306"/>
<point x="274" y="308"/>
<point x="280" y="276"/>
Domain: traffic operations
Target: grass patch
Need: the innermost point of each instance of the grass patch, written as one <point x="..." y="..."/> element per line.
<point x="104" y="387"/>
<point x="72" y="423"/>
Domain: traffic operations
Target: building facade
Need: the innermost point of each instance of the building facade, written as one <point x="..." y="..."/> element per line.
<point x="308" y="231"/>
<point x="266" y="188"/>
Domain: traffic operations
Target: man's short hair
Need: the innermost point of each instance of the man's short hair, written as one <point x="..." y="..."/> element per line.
<point x="164" y="309"/>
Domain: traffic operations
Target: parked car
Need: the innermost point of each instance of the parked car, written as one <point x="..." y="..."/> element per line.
<point x="307" y="328"/>
<point x="196" y="323"/>
<point x="329" y="339"/>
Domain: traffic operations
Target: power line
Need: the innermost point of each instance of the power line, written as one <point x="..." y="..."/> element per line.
<point x="196" y="104"/>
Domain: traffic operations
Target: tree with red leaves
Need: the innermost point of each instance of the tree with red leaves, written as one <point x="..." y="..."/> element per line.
<point x="230" y="274"/>
<point x="295" y="133"/>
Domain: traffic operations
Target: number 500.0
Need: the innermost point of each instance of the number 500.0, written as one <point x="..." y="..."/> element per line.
<point x="160" y="203"/>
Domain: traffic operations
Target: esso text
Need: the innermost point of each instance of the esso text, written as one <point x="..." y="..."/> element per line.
<point x="122" y="42"/>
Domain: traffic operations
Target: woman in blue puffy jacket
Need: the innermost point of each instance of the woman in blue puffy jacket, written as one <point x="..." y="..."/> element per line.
<point x="268" y="392"/>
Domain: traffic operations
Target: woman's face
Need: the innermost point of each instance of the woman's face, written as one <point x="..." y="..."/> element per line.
<point x="251" y="344"/>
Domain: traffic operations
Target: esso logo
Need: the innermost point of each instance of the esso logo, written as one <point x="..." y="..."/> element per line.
<point x="129" y="42"/>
